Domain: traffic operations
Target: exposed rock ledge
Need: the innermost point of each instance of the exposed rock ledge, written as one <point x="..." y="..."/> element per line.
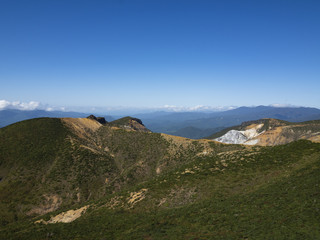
<point x="65" y="217"/>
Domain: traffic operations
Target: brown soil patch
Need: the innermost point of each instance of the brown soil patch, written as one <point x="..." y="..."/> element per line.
<point x="136" y="197"/>
<point x="66" y="217"/>
<point x="181" y="142"/>
<point x="286" y="134"/>
<point x="255" y="126"/>
<point x="315" y="138"/>
<point x="271" y="137"/>
<point x="175" y="139"/>
<point x="81" y="126"/>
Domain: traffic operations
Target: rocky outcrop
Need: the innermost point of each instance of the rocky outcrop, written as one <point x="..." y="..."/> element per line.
<point x="244" y="136"/>
<point x="270" y="132"/>
<point x="233" y="137"/>
<point x="101" y="120"/>
<point x="66" y="217"/>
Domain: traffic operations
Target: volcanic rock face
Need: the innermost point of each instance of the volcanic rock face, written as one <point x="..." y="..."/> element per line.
<point x="101" y="120"/>
<point x="241" y="137"/>
<point x="270" y="132"/>
<point x="233" y="137"/>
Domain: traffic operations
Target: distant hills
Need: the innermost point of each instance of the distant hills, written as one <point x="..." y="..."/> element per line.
<point x="193" y="132"/>
<point x="193" y="125"/>
<point x="199" y="125"/>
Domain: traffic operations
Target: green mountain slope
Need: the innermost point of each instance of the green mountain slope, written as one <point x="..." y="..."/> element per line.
<point x="150" y="186"/>
<point x="58" y="163"/>
<point x="129" y="123"/>
<point x="45" y="168"/>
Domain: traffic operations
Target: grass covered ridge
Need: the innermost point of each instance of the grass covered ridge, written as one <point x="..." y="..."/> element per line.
<point x="162" y="187"/>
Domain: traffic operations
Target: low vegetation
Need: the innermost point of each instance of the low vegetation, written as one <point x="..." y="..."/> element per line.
<point x="142" y="185"/>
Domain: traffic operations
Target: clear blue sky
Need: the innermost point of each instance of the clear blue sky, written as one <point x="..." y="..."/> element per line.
<point x="153" y="53"/>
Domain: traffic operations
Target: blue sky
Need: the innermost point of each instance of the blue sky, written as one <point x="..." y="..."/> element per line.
<point x="153" y="53"/>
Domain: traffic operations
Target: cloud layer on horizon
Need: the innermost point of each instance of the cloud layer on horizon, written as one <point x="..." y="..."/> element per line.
<point x="32" y="105"/>
<point x="35" y="105"/>
<point x="27" y="106"/>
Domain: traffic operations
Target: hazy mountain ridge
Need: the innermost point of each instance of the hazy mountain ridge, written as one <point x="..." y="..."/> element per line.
<point x="186" y="124"/>
<point x="178" y="123"/>
<point x="194" y="132"/>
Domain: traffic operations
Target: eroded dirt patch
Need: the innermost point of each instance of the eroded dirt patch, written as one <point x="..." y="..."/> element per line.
<point x="81" y="126"/>
<point x="136" y="197"/>
<point x="66" y="217"/>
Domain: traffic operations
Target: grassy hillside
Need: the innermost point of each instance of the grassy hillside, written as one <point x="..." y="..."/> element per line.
<point x="152" y="186"/>
<point x="42" y="170"/>
<point x="129" y="123"/>
<point x="55" y="164"/>
<point x="272" y="194"/>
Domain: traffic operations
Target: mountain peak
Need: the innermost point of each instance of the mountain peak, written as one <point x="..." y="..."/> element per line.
<point x="130" y="123"/>
<point x="101" y="120"/>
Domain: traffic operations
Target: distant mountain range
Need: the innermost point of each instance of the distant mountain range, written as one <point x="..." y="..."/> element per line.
<point x="193" y="125"/>
<point x="199" y="125"/>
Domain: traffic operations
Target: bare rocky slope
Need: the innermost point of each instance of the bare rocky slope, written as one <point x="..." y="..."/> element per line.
<point x="269" y="132"/>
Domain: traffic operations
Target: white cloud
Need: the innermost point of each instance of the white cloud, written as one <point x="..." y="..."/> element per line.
<point x="282" y="105"/>
<point x="4" y="104"/>
<point x="32" y="105"/>
<point x="197" y="108"/>
<point x="53" y="108"/>
<point x="27" y="106"/>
